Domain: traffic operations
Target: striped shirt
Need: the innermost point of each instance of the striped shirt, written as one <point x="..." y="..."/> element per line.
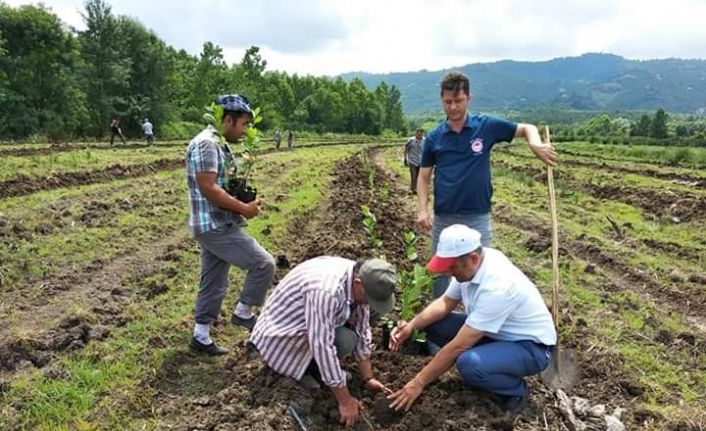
<point x="299" y="319"/>
<point x="204" y="154"/>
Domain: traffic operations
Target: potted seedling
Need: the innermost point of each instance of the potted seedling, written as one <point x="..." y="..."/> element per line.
<point x="240" y="165"/>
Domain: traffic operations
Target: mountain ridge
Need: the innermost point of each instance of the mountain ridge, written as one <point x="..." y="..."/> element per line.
<point x="592" y="81"/>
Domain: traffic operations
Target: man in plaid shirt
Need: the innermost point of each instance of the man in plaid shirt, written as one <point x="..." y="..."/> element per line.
<point x="214" y="217"/>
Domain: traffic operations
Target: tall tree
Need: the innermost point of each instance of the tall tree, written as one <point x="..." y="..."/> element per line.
<point x="107" y="72"/>
<point x="40" y="61"/>
<point x="642" y="127"/>
<point x="659" y="125"/>
<point x="149" y="66"/>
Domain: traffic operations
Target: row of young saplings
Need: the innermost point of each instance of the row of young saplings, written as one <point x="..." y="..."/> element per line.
<point x="414" y="284"/>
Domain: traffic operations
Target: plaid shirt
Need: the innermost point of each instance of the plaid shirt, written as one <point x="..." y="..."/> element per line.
<point x="204" y="154"/>
<point x="299" y="320"/>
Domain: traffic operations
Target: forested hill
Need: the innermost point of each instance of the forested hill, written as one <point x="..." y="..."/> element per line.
<point x="590" y="82"/>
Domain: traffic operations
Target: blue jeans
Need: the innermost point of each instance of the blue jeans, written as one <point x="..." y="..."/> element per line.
<point x="495" y="366"/>
<point x="479" y="222"/>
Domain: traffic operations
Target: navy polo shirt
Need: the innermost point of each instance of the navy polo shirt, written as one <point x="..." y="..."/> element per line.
<point x="462" y="176"/>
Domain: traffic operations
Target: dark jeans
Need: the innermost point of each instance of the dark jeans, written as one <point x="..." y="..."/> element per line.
<point x="115" y="131"/>
<point x="413" y="173"/>
<point x="495" y="366"/>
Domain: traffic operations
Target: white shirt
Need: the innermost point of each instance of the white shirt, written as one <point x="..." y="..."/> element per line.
<point x="503" y="303"/>
<point x="147" y="128"/>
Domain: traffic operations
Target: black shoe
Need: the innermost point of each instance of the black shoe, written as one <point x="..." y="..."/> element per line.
<point x="513" y="404"/>
<point x="210" y="349"/>
<point x="246" y="323"/>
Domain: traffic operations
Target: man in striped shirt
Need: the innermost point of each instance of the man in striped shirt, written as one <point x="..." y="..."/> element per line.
<point x="320" y="312"/>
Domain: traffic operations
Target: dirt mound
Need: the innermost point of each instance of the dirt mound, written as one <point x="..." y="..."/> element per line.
<point x="23" y="185"/>
<point x="71" y="334"/>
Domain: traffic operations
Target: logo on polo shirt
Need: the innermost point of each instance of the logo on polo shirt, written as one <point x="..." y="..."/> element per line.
<point x="477" y="145"/>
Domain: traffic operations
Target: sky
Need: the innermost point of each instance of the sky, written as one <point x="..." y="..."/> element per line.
<point x="326" y="37"/>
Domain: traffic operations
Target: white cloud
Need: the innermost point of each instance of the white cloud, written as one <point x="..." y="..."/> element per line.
<point x="330" y="37"/>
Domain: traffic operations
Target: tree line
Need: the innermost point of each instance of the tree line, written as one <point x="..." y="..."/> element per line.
<point x="59" y="83"/>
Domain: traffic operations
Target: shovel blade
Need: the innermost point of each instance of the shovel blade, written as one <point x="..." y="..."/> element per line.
<point x="563" y="371"/>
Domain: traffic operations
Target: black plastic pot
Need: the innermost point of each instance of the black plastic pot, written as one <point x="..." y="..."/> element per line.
<point x="239" y="189"/>
<point x="386" y="331"/>
<point x="416" y="347"/>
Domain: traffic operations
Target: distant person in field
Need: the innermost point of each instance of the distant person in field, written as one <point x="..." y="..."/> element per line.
<point x="278" y="139"/>
<point x="320" y="312"/>
<point x="148" y="129"/>
<point x="504" y="334"/>
<point x="116" y="130"/>
<point x="214" y="219"/>
<point x="458" y="153"/>
<point x="413" y="157"/>
<point x="290" y="140"/>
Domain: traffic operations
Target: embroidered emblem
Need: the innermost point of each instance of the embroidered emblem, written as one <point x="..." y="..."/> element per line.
<point x="477" y="145"/>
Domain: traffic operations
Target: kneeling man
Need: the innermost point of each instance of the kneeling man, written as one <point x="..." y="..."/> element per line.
<point x="505" y="334"/>
<point x="320" y="312"/>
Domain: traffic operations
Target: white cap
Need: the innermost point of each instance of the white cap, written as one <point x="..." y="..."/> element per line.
<point x="454" y="241"/>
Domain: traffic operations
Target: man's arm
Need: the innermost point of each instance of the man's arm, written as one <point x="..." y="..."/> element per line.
<point x="544" y="152"/>
<point x="215" y="193"/>
<point x="431" y="313"/>
<point x="319" y="312"/>
<point x="423" y="181"/>
<point x="440" y="363"/>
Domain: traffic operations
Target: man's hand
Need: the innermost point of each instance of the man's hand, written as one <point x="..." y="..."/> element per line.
<point x="399" y="335"/>
<point x="405" y="397"/>
<point x="376" y="385"/>
<point x="251" y="209"/>
<point x="349" y="410"/>
<point x="545" y="153"/>
<point x="424" y="220"/>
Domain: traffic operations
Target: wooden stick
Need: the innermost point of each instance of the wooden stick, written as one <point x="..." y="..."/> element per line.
<point x="555" y="236"/>
<point x="555" y="251"/>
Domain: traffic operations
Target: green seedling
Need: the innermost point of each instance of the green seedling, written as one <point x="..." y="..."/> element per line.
<point x="370" y="226"/>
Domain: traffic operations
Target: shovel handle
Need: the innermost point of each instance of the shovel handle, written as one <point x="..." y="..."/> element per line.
<point x="555" y="236"/>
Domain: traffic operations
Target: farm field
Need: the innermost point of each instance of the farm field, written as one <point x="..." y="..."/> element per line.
<point x="99" y="274"/>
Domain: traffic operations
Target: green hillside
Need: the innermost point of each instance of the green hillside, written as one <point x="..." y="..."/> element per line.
<point x="588" y="82"/>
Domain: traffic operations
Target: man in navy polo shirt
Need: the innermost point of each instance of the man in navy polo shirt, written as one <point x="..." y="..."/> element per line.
<point x="458" y="150"/>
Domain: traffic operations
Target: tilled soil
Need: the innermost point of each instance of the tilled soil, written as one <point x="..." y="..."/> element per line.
<point x="64" y="148"/>
<point x="689" y="301"/>
<point x="102" y="291"/>
<point x="680" y="206"/>
<point x="652" y="162"/>
<point x="686" y="179"/>
<point x="23" y="185"/>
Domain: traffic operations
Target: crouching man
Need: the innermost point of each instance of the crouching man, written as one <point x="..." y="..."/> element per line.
<point x="320" y="312"/>
<point x="505" y="334"/>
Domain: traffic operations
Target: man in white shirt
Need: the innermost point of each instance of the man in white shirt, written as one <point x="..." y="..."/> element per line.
<point x="505" y="334"/>
<point x="148" y="128"/>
